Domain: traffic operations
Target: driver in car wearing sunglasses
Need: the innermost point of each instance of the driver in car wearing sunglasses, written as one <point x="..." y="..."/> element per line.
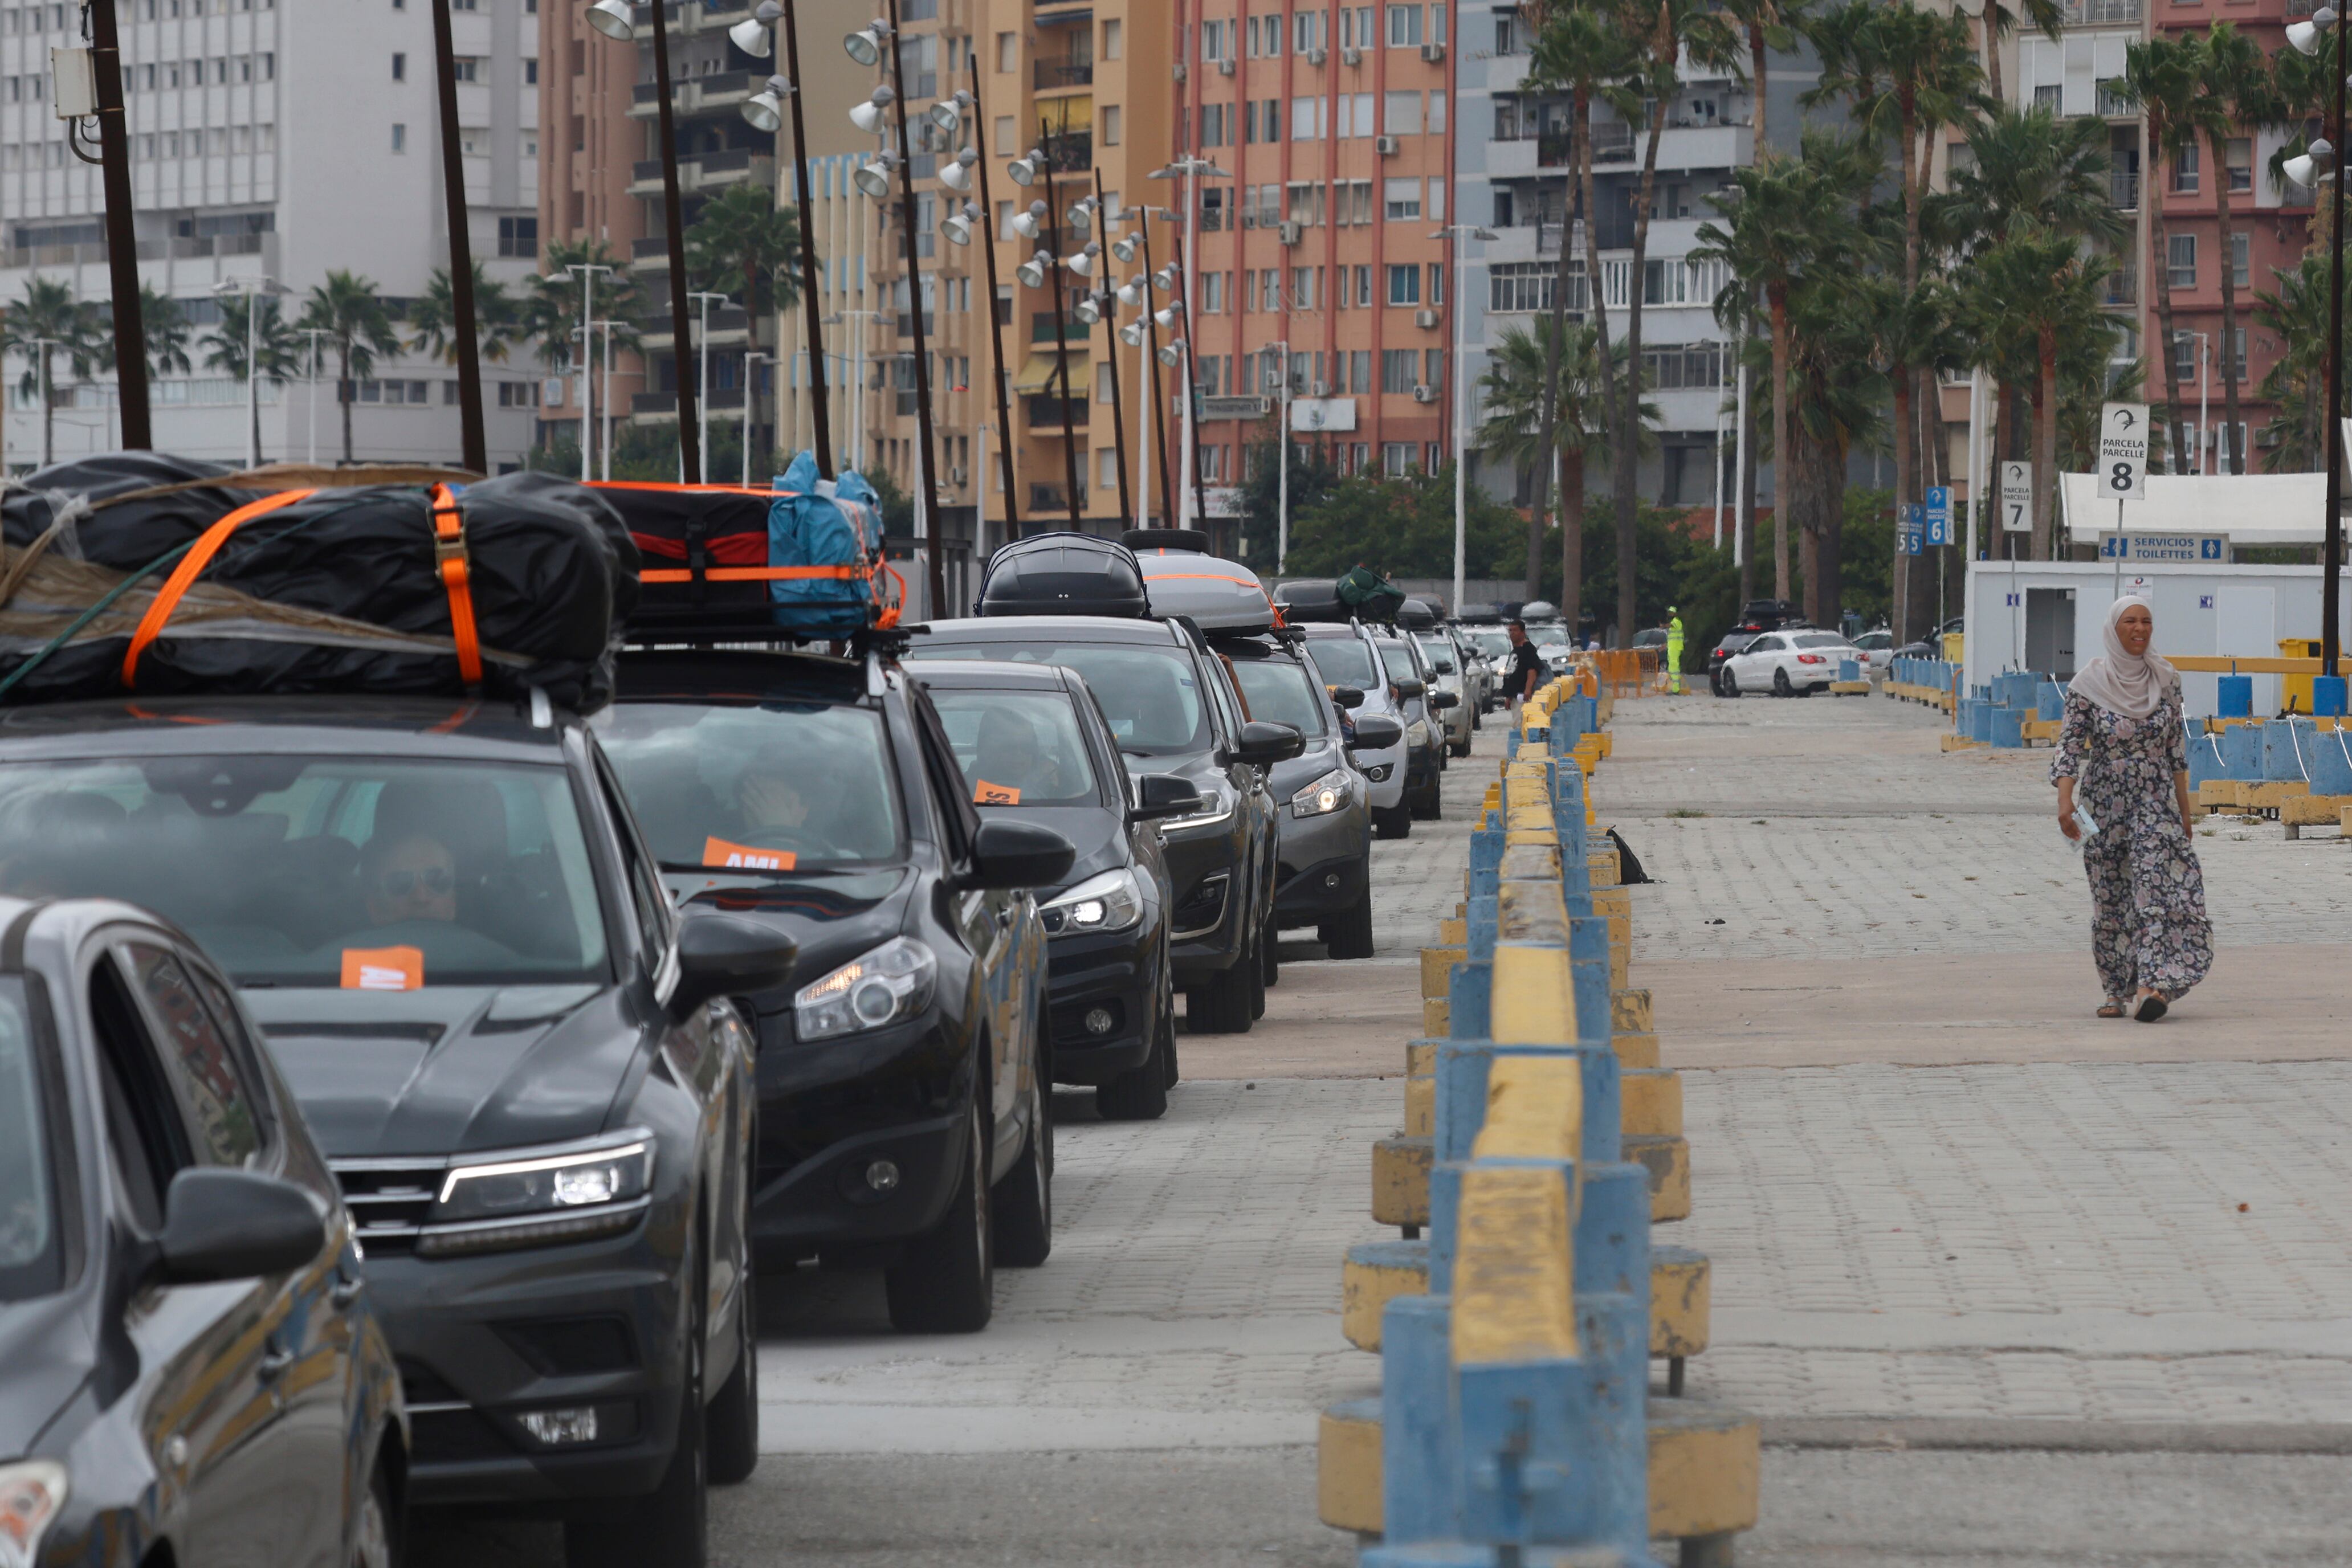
<point x="410" y="877"/>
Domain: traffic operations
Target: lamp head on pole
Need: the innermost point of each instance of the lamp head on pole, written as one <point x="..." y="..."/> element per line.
<point x="2308" y="169"/>
<point x="956" y="173"/>
<point x="958" y="226"/>
<point x="752" y="34"/>
<point x="1025" y="169"/>
<point x="613" y="19"/>
<point x="765" y="109"/>
<point x="1082" y="215"/>
<point x="1026" y="224"/>
<point x="874" y="178"/>
<point x="1165" y="278"/>
<point x="2304" y="37"/>
<point x="1087" y="310"/>
<point x="1125" y="249"/>
<point x="864" y="45"/>
<point x="1084" y="262"/>
<point x="1169" y="314"/>
<point x="1133" y="292"/>
<point x="867" y="116"/>
<point x="1170" y="354"/>
<point x="947" y="113"/>
<point x="1032" y="272"/>
<point x="1132" y="334"/>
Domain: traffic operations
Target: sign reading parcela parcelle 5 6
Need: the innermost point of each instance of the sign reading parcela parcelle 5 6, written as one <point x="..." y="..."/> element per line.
<point x="2123" y="451"/>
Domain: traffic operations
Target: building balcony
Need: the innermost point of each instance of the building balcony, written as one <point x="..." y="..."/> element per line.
<point x="1052" y="76"/>
<point x="711" y="170"/>
<point x="649" y="255"/>
<point x="1041" y="328"/>
<point x="1047" y="499"/>
<point x="2123" y="287"/>
<point x="1724" y="144"/>
<point x="692" y="95"/>
<point x="1072" y="152"/>
<point x="1044" y="413"/>
<point x="2101" y="12"/>
<point x="2122" y="190"/>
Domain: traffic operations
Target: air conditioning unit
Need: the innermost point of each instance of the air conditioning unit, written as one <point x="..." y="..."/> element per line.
<point x="1293" y="233"/>
<point x="1433" y="52"/>
<point x="1224" y="67"/>
<point x="1351" y="55"/>
<point x="1387" y="145"/>
<point x="955" y="476"/>
<point x="1317" y="56"/>
<point x="1320" y="389"/>
<point x="1424" y="393"/>
<point x="1180" y="70"/>
<point x="1425" y="318"/>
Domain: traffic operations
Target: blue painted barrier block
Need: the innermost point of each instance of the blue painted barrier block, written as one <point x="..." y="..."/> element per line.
<point x="1849" y="670"/>
<point x="2329" y="753"/>
<point x="2287" y="745"/>
<point x="2050" y="700"/>
<point x="2327" y="694"/>
<point x="1470" y="1001"/>
<point x="2241" y="751"/>
<point x="2205" y="759"/>
<point x="2236" y="699"/>
<point x="1418" y="1440"/>
<point x="2007" y="727"/>
<point x="1980" y="721"/>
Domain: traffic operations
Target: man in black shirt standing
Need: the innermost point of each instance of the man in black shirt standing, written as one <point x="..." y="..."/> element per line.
<point x="1525" y="672"/>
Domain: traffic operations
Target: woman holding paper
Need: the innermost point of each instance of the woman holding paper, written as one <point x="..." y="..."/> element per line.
<point x="2122" y="772"/>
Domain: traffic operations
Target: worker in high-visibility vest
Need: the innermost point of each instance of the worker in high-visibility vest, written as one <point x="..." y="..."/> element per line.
<point x="1674" y="652"/>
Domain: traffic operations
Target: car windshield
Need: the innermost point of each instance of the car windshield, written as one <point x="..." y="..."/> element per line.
<point x="1823" y="639"/>
<point x="1440" y="654"/>
<point x="1279" y="692"/>
<point x="1150" y="695"/>
<point x="764" y="787"/>
<point x="1018" y="748"/>
<point x="1493" y="644"/>
<point x="1398" y="659"/>
<point x="365" y="873"/>
<point x="31" y="1257"/>
<point x="1344" y="662"/>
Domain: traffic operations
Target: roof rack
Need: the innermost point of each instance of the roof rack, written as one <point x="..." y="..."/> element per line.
<point x="886" y="641"/>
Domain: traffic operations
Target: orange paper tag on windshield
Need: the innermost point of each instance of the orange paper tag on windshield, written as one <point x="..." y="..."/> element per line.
<point x="983" y="793"/>
<point x="383" y="968"/>
<point x="720" y="853"/>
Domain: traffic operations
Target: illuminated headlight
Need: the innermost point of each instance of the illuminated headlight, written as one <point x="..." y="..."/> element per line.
<point x="31" y="1494"/>
<point x="891" y="983"/>
<point x="1324" y="795"/>
<point x="527" y="1184"/>
<point x="1418" y="735"/>
<point x="1110" y="902"/>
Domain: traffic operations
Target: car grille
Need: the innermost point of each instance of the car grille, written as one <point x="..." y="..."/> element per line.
<point x="389" y="1198"/>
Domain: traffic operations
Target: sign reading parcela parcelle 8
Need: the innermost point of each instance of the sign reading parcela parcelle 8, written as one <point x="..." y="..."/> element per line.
<point x="2123" y="451"/>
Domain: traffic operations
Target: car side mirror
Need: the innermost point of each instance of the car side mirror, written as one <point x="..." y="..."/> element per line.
<point x="1444" y="700"/>
<point x="1375" y="732"/>
<point x="1007" y="854"/>
<point x="1408" y="689"/>
<point x="1347" y="696"/>
<point x="221" y="1224"/>
<point x="726" y="955"/>
<point x="1158" y="796"/>
<point x="1262" y="745"/>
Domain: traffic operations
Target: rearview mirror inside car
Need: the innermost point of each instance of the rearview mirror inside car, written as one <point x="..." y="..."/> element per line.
<point x="221" y="1224"/>
<point x="726" y="955"/>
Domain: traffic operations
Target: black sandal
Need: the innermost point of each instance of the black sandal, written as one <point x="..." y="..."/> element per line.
<point x="2152" y="1006"/>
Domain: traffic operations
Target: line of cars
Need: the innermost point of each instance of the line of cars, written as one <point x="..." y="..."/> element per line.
<point x="425" y="1144"/>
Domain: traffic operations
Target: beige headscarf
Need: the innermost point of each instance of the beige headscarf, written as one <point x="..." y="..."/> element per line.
<point x="2134" y="688"/>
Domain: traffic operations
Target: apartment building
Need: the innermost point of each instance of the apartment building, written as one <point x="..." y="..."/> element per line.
<point x="270" y="144"/>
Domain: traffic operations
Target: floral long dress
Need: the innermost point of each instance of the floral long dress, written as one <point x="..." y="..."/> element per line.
<point x="2148" y="892"/>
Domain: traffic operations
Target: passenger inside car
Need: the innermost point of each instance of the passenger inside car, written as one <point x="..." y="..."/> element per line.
<point x="411" y="877"/>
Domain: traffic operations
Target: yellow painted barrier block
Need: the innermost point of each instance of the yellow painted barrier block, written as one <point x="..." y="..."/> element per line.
<point x="1681" y="1292"/>
<point x="2271" y="795"/>
<point x="1959" y="743"/>
<point x="1667" y="1159"/>
<point x="1348" y="1466"/>
<point x="1612" y="901"/>
<point x="2345" y="821"/>
<point x="1437" y="969"/>
<point x="1535" y="1110"/>
<point x="1421" y="1056"/>
<point x="1454" y="933"/>
<point x="1653" y="1102"/>
<point x="2313" y="811"/>
<point x="1602" y="866"/>
<point x="1706" y="1467"/>
<point x="1421" y="1106"/>
<point x="2219" y="791"/>
<point x="1630" y="1012"/>
<point x="1514" y="1265"/>
<point x="1635" y="1050"/>
<point x="1621" y="966"/>
<point x="1436" y="1017"/>
<point x="1401" y="1181"/>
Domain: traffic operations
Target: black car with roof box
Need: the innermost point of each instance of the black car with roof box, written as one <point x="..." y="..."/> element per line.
<point x="902" y="1118"/>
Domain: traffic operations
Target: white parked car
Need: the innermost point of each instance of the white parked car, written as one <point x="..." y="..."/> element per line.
<point x="1796" y="663"/>
<point x="1878" y="647"/>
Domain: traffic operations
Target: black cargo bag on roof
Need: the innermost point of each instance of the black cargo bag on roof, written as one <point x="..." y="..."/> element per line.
<point x="694" y="530"/>
<point x="1064" y="574"/>
<point x="333" y="590"/>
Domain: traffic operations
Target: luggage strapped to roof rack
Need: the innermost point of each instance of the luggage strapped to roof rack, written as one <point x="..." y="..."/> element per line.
<point x="449" y="555"/>
<point x="743" y="557"/>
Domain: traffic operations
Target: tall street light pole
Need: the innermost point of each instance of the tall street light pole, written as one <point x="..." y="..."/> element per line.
<point x="1110" y="364"/>
<point x="1001" y="374"/>
<point x="1168" y="518"/>
<point x="471" y="440"/>
<point x="761" y="111"/>
<point x="926" y="469"/>
<point x="587" y="271"/>
<point x="702" y="374"/>
<point x="2320" y="163"/>
<point x="1061" y="332"/>
<point x="121" y="239"/>
<point x="752" y="360"/>
<point x="1457" y="233"/>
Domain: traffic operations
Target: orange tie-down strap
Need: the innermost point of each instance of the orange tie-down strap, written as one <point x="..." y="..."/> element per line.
<point x="752" y="573"/>
<point x="449" y="552"/>
<point x="192" y="564"/>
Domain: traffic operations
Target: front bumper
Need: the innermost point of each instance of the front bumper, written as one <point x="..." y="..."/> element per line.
<point x="481" y="1339"/>
<point x="1323" y="864"/>
<point x="1385" y="793"/>
<point x="1117" y="973"/>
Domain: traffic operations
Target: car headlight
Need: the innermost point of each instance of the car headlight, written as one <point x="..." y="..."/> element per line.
<point x="539" y="1197"/>
<point x="892" y="982"/>
<point x="1324" y="795"/>
<point x="1111" y="901"/>
<point x="1220" y="810"/>
<point x="31" y="1494"/>
<point x="1418" y="735"/>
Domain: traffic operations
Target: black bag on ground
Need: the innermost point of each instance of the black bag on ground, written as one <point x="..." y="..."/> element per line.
<point x="334" y="590"/>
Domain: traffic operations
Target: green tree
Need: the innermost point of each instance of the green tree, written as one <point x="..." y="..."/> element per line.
<point x="166" y="329"/>
<point x="2042" y="288"/>
<point x="742" y="243"/>
<point x="2236" y="91"/>
<point x="347" y="310"/>
<point x="433" y="317"/>
<point x="2296" y="315"/>
<point x="1402" y="526"/>
<point x="277" y="348"/>
<point x="50" y="324"/>
<point x="2160" y="78"/>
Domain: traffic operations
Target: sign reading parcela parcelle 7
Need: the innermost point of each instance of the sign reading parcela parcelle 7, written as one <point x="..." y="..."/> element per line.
<point x="2123" y="451"/>
<point x="2017" y="497"/>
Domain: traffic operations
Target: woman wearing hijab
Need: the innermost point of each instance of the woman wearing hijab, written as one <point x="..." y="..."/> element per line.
<point x="2122" y="749"/>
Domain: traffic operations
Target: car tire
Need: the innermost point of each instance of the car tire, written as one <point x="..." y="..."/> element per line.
<point x="1140" y="1093"/>
<point x="1223" y="1006"/>
<point x="1167" y="1039"/>
<point x="1023" y="1203"/>
<point x="375" y="1535"/>
<point x="1269" y="946"/>
<point x="671" y="1524"/>
<point x="1477" y="721"/>
<point x="1427" y="807"/>
<point x="1460" y="748"/>
<point x="1727" y="685"/>
<point x="732" y="1421"/>
<point x="1256" y="961"/>
<point x="1349" y="936"/>
<point x="1781" y="687"/>
<point x="1393" y="823"/>
<point x="947" y="1281"/>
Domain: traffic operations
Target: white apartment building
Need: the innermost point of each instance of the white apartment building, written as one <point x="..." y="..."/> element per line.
<point x="277" y="139"/>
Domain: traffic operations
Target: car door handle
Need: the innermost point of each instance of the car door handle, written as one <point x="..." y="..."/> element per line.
<point x="274" y="1363"/>
<point x="347" y="1290"/>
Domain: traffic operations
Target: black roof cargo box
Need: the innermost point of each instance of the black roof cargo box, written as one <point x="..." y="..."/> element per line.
<point x="1064" y="574"/>
<point x="1310" y="599"/>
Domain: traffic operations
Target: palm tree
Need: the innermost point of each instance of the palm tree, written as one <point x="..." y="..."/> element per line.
<point x="2161" y="77"/>
<point x="2046" y="17"/>
<point x="744" y="235"/>
<point x="1767" y="25"/>
<point x="2297" y="317"/>
<point x="346" y="308"/>
<point x="1836" y="391"/>
<point x="1544" y="396"/>
<point x="2235" y="90"/>
<point x="1784" y="212"/>
<point x="47" y="323"/>
<point x="167" y="332"/>
<point x="276" y="354"/>
<point x="433" y="317"/>
<point x="2041" y="288"/>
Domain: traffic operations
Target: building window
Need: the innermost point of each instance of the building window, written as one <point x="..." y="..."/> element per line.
<point x="1404" y="26"/>
<point x="2184" y="356"/>
<point x="1308" y="31"/>
<point x="399" y="139"/>
<point x="1112" y="122"/>
<point x="1008" y="52"/>
<point x="2241" y="249"/>
<point x="399" y="67"/>
<point x="2237" y="366"/>
<point x="2242" y="163"/>
<point x="1519" y="287"/>
<point x="1114" y="40"/>
<point x="1404" y="284"/>
<point x="465" y="68"/>
<point x="1401" y="114"/>
<point x="2180" y="262"/>
<point x="1397" y="458"/>
<point x="1212" y="292"/>
<point x="2047" y="97"/>
<point x="1398" y="371"/>
<point x="518" y="237"/>
<point x="2185" y="165"/>
<point x="1403" y="199"/>
<point x="1359" y="373"/>
<point x="530" y="71"/>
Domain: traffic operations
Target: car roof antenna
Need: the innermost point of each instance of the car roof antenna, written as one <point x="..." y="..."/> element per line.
<point x="542" y="712"/>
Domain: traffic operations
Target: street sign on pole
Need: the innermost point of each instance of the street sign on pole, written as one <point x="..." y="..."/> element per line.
<point x="2123" y="451"/>
<point x="2178" y="549"/>
<point x="1910" y="527"/>
<point x="1940" y="514"/>
<point x="2017" y="497"/>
